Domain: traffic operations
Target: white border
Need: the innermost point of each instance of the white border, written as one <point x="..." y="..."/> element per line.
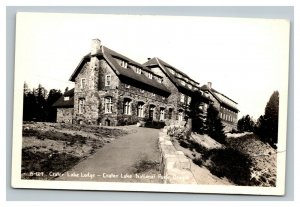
<point x="4" y="3"/>
<point x="17" y="182"/>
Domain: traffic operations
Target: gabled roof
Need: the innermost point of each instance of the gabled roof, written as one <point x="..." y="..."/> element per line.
<point x="61" y="103"/>
<point x="110" y="55"/>
<point x="174" y="78"/>
<point x="216" y="94"/>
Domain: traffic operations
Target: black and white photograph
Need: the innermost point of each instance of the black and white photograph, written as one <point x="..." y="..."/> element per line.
<point x="150" y="103"/>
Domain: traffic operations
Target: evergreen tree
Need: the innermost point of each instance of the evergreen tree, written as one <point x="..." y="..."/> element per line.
<point x="267" y="125"/>
<point x="53" y="96"/>
<point x="196" y="113"/>
<point x="215" y="128"/>
<point x="245" y="124"/>
<point x="41" y="108"/>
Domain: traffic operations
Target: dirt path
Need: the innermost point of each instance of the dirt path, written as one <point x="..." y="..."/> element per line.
<point x="122" y="160"/>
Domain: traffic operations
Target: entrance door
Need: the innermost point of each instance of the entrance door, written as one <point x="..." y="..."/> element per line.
<point x="151" y="112"/>
<point x="107" y="122"/>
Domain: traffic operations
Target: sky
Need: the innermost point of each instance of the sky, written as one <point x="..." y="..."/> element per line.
<point x="245" y="59"/>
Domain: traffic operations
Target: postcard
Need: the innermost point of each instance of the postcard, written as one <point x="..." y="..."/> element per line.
<point x="150" y="103"/>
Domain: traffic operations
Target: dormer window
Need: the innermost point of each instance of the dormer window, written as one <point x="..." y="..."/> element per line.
<point x="150" y="75"/>
<point x="66" y="98"/>
<point x="159" y="80"/>
<point x="172" y="71"/>
<point x="189" y="86"/>
<point x="124" y="64"/>
<point x="183" y="82"/>
<point x="138" y="70"/>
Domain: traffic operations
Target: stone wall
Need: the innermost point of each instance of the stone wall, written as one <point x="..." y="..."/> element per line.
<point x="64" y="115"/>
<point x="175" y="167"/>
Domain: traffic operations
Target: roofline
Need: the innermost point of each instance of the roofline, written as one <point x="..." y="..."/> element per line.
<point x="222" y="101"/>
<point x="177" y="70"/>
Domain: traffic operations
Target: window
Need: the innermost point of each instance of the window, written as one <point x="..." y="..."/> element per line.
<point x="182" y="98"/>
<point x="180" y="116"/>
<point x="127" y="106"/>
<point x="183" y="82"/>
<point x="82" y="83"/>
<point x="162" y="114"/>
<point x="142" y="91"/>
<point x="140" y="109"/>
<point x="138" y="70"/>
<point x="172" y="71"/>
<point x="81" y="104"/>
<point x="108" y="105"/>
<point x="153" y="94"/>
<point x="127" y="86"/>
<point x="159" y="80"/>
<point x="66" y="98"/>
<point x="150" y="75"/>
<point x="124" y="64"/>
<point x="107" y="80"/>
<point x="221" y="115"/>
<point x="189" y="100"/>
<point x="189" y="86"/>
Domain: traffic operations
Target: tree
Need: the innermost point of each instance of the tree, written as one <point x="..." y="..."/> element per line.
<point x="195" y="112"/>
<point x="215" y="128"/>
<point x="37" y="104"/>
<point x="53" y="96"/>
<point x="41" y="107"/>
<point x="267" y="125"/>
<point x="245" y="124"/>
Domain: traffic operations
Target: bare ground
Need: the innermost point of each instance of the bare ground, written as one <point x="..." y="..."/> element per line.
<point x="54" y="147"/>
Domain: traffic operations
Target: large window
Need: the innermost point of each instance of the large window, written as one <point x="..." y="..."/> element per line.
<point x="107" y="80"/>
<point x="162" y="114"/>
<point x="108" y="105"/>
<point x="81" y="104"/>
<point x="127" y="106"/>
<point x="140" y="109"/>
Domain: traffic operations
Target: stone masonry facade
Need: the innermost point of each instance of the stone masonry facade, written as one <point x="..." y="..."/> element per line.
<point x="111" y="89"/>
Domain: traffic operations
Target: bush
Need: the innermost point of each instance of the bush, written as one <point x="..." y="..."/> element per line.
<point x="177" y="132"/>
<point x="123" y="121"/>
<point x="230" y="163"/>
<point x="154" y="124"/>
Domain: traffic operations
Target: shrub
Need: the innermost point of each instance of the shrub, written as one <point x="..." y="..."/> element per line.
<point x="198" y="161"/>
<point x="230" y="163"/>
<point x="177" y="132"/>
<point x="155" y="124"/>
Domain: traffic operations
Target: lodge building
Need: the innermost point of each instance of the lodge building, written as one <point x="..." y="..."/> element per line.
<point x="111" y="89"/>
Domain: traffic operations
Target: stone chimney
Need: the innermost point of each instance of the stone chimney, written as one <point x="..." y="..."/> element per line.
<point x="95" y="46"/>
<point x="209" y="85"/>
